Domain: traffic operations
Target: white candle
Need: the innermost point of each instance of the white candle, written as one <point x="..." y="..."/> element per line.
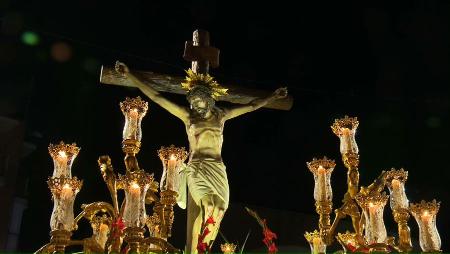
<point x="61" y="167"/>
<point x="321" y="172"/>
<point x="171" y="168"/>
<point x="66" y="191"/>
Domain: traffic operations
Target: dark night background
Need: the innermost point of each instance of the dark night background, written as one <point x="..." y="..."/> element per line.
<point x="386" y="62"/>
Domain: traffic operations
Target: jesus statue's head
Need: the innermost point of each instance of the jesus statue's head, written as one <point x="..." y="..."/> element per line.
<point x="201" y="100"/>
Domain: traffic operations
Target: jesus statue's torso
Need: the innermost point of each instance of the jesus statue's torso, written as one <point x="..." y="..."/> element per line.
<point x="206" y="136"/>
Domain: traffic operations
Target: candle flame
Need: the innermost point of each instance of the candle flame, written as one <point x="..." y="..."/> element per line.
<point x="371" y="205"/>
<point x="135" y="185"/>
<point x="67" y="186"/>
<point x="321" y="170"/>
<point x="173" y="157"/>
<point x="62" y="154"/>
<point x="425" y="213"/>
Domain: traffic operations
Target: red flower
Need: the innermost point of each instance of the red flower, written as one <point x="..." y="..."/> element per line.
<point x="210" y="220"/>
<point x="117" y="227"/>
<point x="269" y="234"/>
<point x="202" y="247"/>
<point x="273" y="248"/>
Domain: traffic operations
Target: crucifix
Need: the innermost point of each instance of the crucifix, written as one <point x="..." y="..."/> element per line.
<point x="207" y="193"/>
<point x="202" y="56"/>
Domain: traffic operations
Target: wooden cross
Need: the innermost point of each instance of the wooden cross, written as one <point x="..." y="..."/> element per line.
<point x="202" y="56"/>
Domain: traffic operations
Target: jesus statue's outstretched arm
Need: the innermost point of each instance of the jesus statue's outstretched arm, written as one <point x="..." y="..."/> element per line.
<point x="173" y="108"/>
<point x="255" y="104"/>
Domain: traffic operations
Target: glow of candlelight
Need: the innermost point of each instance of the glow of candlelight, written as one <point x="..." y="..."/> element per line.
<point x="62" y="154"/>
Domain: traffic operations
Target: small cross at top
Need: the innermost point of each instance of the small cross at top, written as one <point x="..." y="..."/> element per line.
<point x="200" y="53"/>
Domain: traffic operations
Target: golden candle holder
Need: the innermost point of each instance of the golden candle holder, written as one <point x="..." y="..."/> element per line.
<point x="172" y="158"/>
<point x="395" y="181"/>
<point x="348" y="241"/>
<point x="168" y="200"/>
<point x="365" y="204"/>
<point x="59" y="240"/>
<point x="228" y="248"/>
<point x="323" y="194"/>
<point x="113" y="223"/>
<point x="316" y="242"/>
<point x="134" y="236"/>
<point x="134" y="109"/>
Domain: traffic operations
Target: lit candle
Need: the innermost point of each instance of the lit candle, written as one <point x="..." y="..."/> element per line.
<point x="134" y="110"/>
<point x="171" y="170"/>
<point x="425" y="215"/>
<point x="61" y="164"/>
<point x="135" y="190"/>
<point x="136" y="185"/>
<point x="321" y="174"/>
<point x="63" y="156"/>
<point x="66" y="191"/>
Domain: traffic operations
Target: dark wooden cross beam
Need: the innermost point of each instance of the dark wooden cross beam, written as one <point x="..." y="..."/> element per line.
<point x="202" y="56"/>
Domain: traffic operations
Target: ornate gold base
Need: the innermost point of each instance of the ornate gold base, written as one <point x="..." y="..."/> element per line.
<point x="134" y="237"/>
<point x="60" y="239"/>
<point x="168" y="200"/>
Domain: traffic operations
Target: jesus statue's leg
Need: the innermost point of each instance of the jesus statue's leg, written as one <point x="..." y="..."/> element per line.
<point x="211" y="206"/>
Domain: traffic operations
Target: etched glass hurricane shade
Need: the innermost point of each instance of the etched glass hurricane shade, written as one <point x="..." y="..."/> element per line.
<point x="345" y="129"/>
<point x="373" y="209"/>
<point x="322" y="169"/>
<point x="425" y="215"/>
<point x="64" y="191"/>
<point x="134" y="110"/>
<point x="135" y="185"/>
<point x="395" y="180"/>
<point x="63" y="156"/>
<point x="172" y="158"/>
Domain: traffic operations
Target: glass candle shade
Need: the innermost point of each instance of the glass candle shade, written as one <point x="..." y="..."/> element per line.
<point x="135" y="184"/>
<point x="373" y="208"/>
<point x="425" y="215"/>
<point x="228" y="248"/>
<point x="322" y="169"/>
<point x="63" y="156"/>
<point x="345" y="129"/>
<point x="64" y="191"/>
<point x="134" y="109"/>
<point x="395" y="181"/>
<point x="100" y="229"/>
<point x="172" y="158"/>
<point x="315" y="242"/>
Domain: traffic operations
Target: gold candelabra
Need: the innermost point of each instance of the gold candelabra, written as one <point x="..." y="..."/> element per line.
<point x="117" y="228"/>
<point x="365" y="205"/>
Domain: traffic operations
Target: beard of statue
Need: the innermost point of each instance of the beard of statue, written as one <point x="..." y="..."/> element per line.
<point x="200" y="101"/>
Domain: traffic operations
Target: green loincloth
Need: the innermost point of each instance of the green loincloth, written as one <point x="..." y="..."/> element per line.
<point x="203" y="177"/>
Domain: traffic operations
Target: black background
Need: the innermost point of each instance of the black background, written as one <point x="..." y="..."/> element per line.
<point x="386" y="62"/>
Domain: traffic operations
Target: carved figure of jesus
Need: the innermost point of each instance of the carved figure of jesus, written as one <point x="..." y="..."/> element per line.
<point x="205" y="173"/>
